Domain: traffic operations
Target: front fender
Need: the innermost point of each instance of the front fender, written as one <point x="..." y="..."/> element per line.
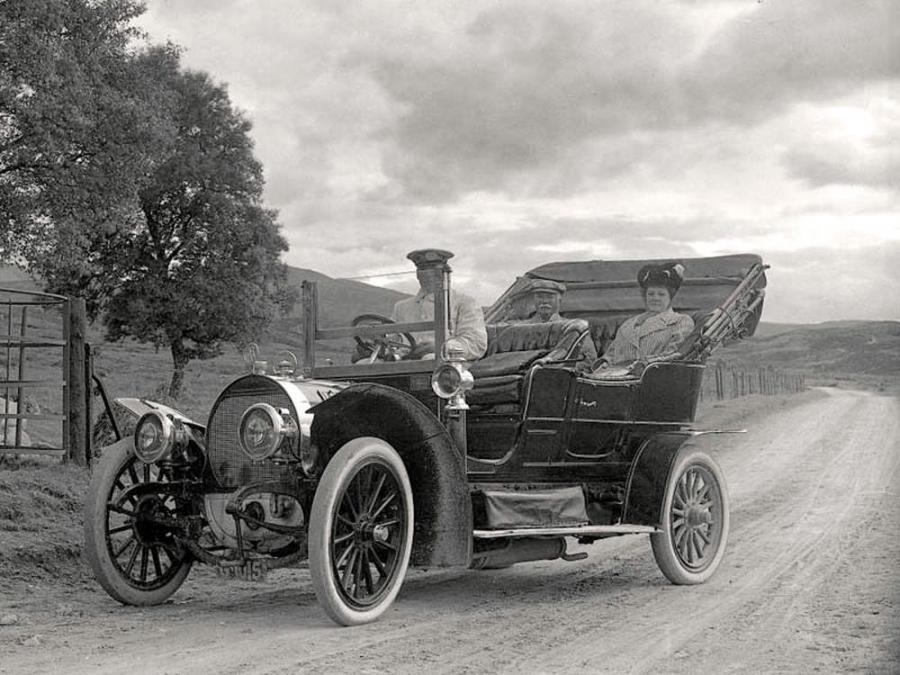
<point x="141" y="406"/>
<point x="436" y="467"/>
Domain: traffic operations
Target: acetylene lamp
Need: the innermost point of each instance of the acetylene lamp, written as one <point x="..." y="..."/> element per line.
<point x="451" y="380"/>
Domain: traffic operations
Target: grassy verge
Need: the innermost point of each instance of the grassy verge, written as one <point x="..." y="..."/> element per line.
<point x="41" y="521"/>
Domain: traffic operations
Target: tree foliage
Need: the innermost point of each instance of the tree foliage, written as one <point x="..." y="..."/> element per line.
<point x="132" y="182"/>
<point x="79" y="120"/>
<point x="204" y="268"/>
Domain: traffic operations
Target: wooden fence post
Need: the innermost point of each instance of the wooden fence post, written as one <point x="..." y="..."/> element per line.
<point x="76" y="387"/>
<point x="766" y="380"/>
<point x="720" y="381"/>
<point x="20" y="396"/>
<point x="309" y="326"/>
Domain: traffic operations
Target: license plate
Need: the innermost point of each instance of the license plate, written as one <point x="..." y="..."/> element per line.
<point x="252" y="570"/>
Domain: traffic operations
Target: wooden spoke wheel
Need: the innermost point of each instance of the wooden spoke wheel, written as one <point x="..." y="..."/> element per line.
<point x="360" y="532"/>
<point x="695" y="520"/>
<point x="128" y="544"/>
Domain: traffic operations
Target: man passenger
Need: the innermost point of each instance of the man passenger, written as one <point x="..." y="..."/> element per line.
<point x="546" y="297"/>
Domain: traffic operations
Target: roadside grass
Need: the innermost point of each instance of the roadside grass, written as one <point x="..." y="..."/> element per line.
<point x="41" y="505"/>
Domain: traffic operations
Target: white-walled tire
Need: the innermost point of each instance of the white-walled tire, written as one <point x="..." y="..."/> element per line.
<point x="134" y="559"/>
<point x="695" y="520"/>
<point x="360" y="531"/>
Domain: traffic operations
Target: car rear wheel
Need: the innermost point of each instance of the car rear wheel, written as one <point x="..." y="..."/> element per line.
<point x="360" y="531"/>
<point x="131" y="554"/>
<point x="695" y="521"/>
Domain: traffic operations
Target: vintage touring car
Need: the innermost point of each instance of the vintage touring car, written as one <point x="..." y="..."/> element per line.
<point x="366" y="468"/>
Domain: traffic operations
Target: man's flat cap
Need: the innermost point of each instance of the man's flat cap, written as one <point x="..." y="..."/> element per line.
<point x="547" y="285"/>
<point x="429" y="257"/>
<point x="532" y="285"/>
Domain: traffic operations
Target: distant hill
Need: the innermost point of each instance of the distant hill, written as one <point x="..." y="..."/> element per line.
<point x="340" y="300"/>
<point x="870" y="348"/>
<point x="767" y="329"/>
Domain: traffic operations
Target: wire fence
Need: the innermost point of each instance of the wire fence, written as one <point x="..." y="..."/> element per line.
<point x="724" y="380"/>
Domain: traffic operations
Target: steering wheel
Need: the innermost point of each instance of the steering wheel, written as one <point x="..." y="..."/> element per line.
<point x="387" y="347"/>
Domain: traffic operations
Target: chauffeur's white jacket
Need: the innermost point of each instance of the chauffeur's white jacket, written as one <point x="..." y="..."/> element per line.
<point x="466" y="321"/>
<point x="649" y="334"/>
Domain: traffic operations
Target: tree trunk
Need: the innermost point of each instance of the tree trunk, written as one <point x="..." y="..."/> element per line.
<point x="180" y="361"/>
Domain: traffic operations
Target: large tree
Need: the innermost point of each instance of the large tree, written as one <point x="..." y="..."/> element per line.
<point x="80" y="117"/>
<point x="132" y="182"/>
<point x="202" y="268"/>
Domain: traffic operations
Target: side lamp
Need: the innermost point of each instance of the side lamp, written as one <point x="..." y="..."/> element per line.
<point x="451" y="380"/>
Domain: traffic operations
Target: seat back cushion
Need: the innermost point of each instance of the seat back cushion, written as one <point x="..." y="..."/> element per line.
<point x="494" y="390"/>
<point x="513" y="349"/>
<point x="520" y="337"/>
<point x="505" y="363"/>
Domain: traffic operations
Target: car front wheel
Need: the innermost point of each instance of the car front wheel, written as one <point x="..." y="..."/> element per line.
<point x="131" y="552"/>
<point x="694" y="529"/>
<point x="360" y="531"/>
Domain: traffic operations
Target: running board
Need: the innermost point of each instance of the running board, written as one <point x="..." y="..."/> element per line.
<point x="571" y="531"/>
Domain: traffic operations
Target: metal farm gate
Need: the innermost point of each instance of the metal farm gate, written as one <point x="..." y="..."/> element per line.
<point x="44" y="375"/>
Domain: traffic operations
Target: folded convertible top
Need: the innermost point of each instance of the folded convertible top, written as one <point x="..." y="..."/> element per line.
<point x="607" y="288"/>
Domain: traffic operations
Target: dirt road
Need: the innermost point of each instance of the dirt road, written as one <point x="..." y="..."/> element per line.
<point x="811" y="582"/>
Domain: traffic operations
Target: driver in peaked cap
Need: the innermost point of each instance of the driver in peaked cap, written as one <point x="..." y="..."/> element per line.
<point x="467" y="331"/>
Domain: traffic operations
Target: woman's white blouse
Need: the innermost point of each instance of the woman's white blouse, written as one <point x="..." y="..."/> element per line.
<point x="647" y="335"/>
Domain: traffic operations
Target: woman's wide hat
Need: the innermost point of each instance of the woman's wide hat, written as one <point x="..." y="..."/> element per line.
<point x="669" y="275"/>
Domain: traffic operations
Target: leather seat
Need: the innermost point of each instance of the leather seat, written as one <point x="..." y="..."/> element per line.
<point x="513" y="349"/>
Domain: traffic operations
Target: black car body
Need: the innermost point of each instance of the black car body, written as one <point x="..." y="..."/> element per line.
<point x="368" y="467"/>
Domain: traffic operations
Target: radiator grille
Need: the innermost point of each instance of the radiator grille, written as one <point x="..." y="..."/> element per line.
<point x="230" y="466"/>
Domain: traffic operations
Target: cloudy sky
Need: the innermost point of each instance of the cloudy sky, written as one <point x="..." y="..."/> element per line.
<point x="519" y="132"/>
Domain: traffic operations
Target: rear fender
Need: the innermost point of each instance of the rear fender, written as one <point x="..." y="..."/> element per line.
<point x="442" y="534"/>
<point x="645" y="488"/>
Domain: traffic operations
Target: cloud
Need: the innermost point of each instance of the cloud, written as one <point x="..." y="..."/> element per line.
<point x="819" y="167"/>
<point x="787" y="52"/>
<point x="851" y="144"/>
<point x="520" y="89"/>
<point x="520" y="132"/>
<point x="528" y="84"/>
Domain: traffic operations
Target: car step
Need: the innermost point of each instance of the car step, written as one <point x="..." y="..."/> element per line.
<point x="570" y="531"/>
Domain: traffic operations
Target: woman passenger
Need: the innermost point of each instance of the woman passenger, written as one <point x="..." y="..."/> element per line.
<point x="658" y="331"/>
